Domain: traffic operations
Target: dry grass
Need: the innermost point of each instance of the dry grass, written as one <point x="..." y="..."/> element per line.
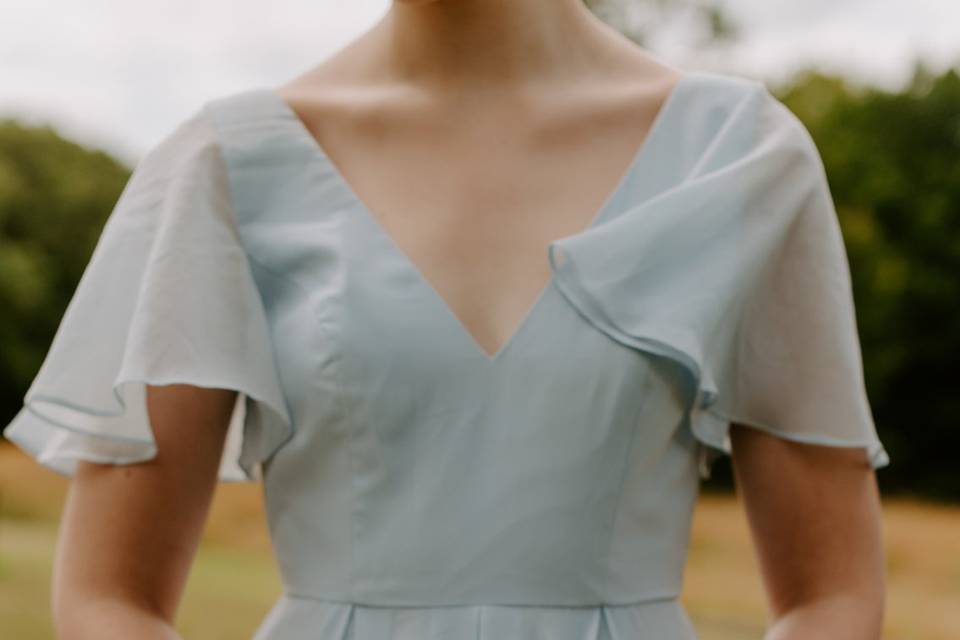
<point x="235" y="573"/>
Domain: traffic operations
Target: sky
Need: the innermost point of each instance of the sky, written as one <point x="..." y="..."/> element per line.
<point x="119" y="76"/>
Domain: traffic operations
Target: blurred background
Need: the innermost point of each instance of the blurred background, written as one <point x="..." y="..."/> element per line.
<point x="89" y="85"/>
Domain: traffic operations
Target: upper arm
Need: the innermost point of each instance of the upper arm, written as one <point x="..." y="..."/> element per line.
<point x="814" y="514"/>
<point x="129" y="532"/>
<point x="160" y="380"/>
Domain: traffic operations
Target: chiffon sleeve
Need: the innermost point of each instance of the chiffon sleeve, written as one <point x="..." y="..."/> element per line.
<point x="795" y="367"/>
<point x="167" y="297"/>
<point x="735" y="269"/>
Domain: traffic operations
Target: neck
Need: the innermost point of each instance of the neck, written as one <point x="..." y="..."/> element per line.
<point x="499" y="42"/>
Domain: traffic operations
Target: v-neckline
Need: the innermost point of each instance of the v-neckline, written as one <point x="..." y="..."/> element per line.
<point x="637" y="158"/>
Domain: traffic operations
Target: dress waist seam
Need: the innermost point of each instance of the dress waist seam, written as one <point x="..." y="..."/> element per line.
<point x="644" y="599"/>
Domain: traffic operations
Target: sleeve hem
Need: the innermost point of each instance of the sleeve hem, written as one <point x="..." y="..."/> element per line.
<point x="50" y="429"/>
<point x="711" y="428"/>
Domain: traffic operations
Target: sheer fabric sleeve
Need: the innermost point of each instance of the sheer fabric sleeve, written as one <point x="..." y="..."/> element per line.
<point x="735" y="270"/>
<point x="167" y="297"/>
<point x="795" y="368"/>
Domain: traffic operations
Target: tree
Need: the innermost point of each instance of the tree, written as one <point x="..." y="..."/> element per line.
<point x="55" y="197"/>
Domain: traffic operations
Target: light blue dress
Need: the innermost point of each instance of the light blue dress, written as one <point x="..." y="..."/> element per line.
<point x="416" y="487"/>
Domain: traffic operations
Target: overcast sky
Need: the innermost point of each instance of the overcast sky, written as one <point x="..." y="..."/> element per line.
<point x="119" y="75"/>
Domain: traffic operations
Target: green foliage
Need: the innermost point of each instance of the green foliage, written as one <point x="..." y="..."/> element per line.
<point x="893" y="162"/>
<point x="54" y="199"/>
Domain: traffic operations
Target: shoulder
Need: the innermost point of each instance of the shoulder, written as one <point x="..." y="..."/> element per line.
<point x="206" y="140"/>
<point x="200" y="131"/>
<point x="727" y="117"/>
<point x="735" y="93"/>
<point x="729" y="99"/>
<point x="190" y="144"/>
<point x="181" y="175"/>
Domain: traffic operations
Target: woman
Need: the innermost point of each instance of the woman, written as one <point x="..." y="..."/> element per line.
<point x="481" y="293"/>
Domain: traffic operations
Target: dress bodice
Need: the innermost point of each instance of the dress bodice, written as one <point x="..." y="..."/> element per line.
<point x="416" y="487"/>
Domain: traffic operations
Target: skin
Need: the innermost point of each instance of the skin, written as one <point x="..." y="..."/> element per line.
<point x="542" y="84"/>
<point x="129" y="533"/>
<point x="432" y="115"/>
<point x="814" y="513"/>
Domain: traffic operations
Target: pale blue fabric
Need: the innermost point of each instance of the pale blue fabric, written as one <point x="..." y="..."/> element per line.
<point x="417" y="488"/>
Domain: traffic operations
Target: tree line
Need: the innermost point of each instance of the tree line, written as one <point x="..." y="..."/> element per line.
<point x="893" y="163"/>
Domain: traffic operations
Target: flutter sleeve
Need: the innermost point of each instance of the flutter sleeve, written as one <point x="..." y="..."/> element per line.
<point x="795" y="367"/>
<point x="167" y="297"/>
<point x="736" y="271"/>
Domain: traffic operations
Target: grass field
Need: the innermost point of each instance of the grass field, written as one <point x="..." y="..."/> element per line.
<point x="235" y="574"/>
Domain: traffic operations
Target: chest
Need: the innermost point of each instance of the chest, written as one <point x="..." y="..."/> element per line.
<point x="469" y="211"/>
